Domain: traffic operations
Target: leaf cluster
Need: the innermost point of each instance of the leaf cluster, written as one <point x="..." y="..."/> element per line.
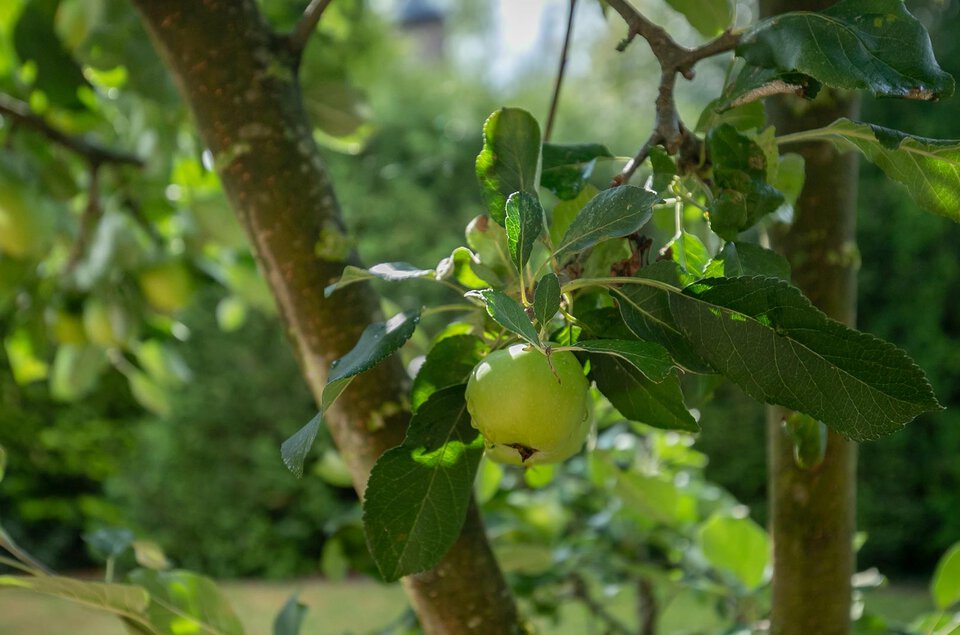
<point x="575" y="275"/>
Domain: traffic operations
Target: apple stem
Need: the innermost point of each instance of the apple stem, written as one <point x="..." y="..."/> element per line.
<point x="547" y="351"/>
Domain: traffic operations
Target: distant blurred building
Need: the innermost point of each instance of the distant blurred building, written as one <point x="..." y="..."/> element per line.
<point x="424" y="26"/>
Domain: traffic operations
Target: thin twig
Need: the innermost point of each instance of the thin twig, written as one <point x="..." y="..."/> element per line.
<point x="307" y="25"/>
<point x="636" y="161"/>
<point x="582" y="592"/>
<point x="95" y="154"/>
<point x="674" y="59"/>
<point x="136" y="212"/>
<point x="8" y="543"/>
<point x="647" y="606"/>
<point x="551" y="116"/>
<point x="660" y="41"/>
<point x="88" y="221"/>
<point x="726" y="41"/>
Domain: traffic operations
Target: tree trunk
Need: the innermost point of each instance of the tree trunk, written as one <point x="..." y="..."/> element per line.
<point x="812" y="511"/>
<point x="239" y="79"/>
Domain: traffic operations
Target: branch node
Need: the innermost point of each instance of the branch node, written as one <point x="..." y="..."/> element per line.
<point x="300" y="36"/>
<point x="674" y="59"/>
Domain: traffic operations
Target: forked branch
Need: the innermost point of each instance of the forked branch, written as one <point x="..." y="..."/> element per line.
<point x="674" y="59"/>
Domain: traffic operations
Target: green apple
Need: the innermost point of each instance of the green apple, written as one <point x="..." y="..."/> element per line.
<point x="528" y="413"/>
<point x="167" y="286"/>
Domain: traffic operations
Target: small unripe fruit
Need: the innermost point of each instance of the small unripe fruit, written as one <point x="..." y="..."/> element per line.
<point x="167" y="286"/>
<point x="528" y="413"/>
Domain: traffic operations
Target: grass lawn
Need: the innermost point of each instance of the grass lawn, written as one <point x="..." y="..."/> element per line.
<point x="361" y="607"/>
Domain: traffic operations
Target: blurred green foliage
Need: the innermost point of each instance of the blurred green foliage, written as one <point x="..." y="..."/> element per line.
<point x="206" y="481"/>
<point x="59" y="456"/>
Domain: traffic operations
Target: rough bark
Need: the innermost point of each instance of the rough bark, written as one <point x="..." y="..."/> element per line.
<point x="812" y="512"/>
<point x="239" y="80"/>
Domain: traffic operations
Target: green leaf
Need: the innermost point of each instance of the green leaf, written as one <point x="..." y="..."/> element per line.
<point x="289" y="620"/>
<point x="489" y="476"/>
<point x="601" y="259"/>
<point x="463" y="266"/>
<point x="945" y="586"/>
<point x="740" y="173"/>
<point x="334" y="106"/>
<point x="650" y="497"/>
<point x="76" y="370"/>
<point x="738" y="259"/>
<point x="546" y="298"/>
<point x="489" y="241"/>
<point x="184" y="602"/>
<point x="664" y="169"/>
<point x="769" y="339"/>
<point x="510" y="159"/>
<point x="709" y="18"/>
<point x="389" y="271"/>
<point x="109" y="542"/>
<point x="937" y="623"/>
<point x="737" y="546"/>
<point x="36" y="40"/>
<point x="377" y="342"/>
<point x="928" y="168"/>
<point x="874" y="45"/>
<point x="119" y="599"/>
<point x="149" y="394"/>
<point x="750" y="85"/>
<point x="691" y="256"/>
<point x="448" y="363"/>
<point x="333" y="469"/>
<point x="791" y="174"/>
<point x="565" y="211"/>
<point x="150" y="555"/>
<point x="418" y="493"/>
<point x="25" y="364"/>
<point x="613" y="213"/>
<point x="566" y="168"/>
<point x="658" y="404"/>
<point x="524" y="223"/>
<point x="334" y="563"/>
<point x="809" y="438"/>
<point x="650" y="359"/>
<point x="539" y="476"/>
<point x="646" y="312"/>
<point x="508" y="313"/>
<point x="746" y="117"/>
